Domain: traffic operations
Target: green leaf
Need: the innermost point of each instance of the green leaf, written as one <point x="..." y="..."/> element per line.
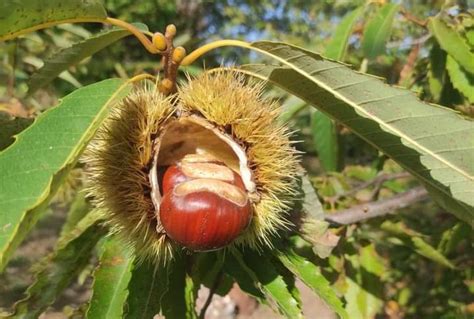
<point x="372" y="262"/>
<point x="68" y="57"/>
<point x="290" y="108"/>
<point x="20" y="17"/>
<point x="159" y="287"/>
<point x="59" y="269"/>
<point x="364" y="292"/>
<point x="462" y="80"/>
<point x="414" y="241"/>
<point x="78" y="210"/>
<point x="146" y="289"/>
<point x="314" y="228"/>
<point x="326" y="141"/>
<point x="207" y="268"/>
<point x="34" y="166"/>
<point x="453" y="43"/>
<point x="10" y="126"/>
<point x="470" y="37"/>
<point x="111" y="279"/>
<point x="337" y="47"/>
<point x="437" y="72"/>
<point x="243" y="275"/>
<point x="273" y="285"/>
<point x="312" y="277"/>
<point x="324" y="129"/>
<point x="451" y="238"/>
<point x="434" y="143"/>
<point x="173" y="305"/>
<point x="290" y="280"/>
<point x="360" y="303"/>
<point x="190" y="295"/>
<point x="377" y="31"/>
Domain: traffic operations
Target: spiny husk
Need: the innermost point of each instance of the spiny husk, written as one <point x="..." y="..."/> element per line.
<point x="226" y="100"/>
<point x="118" y="161"/>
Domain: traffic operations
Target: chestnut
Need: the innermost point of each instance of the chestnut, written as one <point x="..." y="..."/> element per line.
<point x="173" y="176"/>
<point x="204" y="214"/>
<point x="194" y="166"/>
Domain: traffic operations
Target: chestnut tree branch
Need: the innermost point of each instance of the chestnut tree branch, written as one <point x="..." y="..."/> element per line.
<point x="379" y="208"/>
<point x="419" y="41"/>
<point x="212" y="291"/>
<point x="378" y="181"/>
<point x="410" y="17"/>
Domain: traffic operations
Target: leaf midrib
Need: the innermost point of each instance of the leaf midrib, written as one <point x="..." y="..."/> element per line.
<point x="150" y="293"/>
<point x="123" y="274"/>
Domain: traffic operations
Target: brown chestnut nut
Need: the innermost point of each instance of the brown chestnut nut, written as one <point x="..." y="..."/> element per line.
<point x="205" y="214"/>
<point x="172" y="177"/>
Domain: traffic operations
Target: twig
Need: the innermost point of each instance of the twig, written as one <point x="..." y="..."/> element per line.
<point x="379" y="180"/>
<point x="135" y="31"/>
<point x="412" y="18"/>
<point x="407" y="70"/>
<point x="419" y="41"/>
<point x="212" y="291"/>
<point x="379" y="208"/>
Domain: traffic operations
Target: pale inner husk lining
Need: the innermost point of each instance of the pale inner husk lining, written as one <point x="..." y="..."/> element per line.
<point x="194" y="135"/>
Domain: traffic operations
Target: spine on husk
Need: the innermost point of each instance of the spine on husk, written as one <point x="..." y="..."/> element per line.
<point x="216" y="142"/>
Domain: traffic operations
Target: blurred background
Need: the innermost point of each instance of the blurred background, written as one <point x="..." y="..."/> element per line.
<point x="418" y="263"/>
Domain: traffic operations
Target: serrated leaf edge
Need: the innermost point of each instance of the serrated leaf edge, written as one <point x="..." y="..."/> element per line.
<point x="48" y="192"/>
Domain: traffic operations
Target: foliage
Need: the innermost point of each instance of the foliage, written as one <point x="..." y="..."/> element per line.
<point x="65" y="130"/>
<point x="417" y="263"/>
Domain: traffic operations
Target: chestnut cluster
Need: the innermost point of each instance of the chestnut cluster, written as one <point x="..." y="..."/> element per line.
<point x="204" y="203"/>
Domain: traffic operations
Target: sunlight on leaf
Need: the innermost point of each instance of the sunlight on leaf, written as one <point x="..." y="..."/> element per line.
<point x="377" y="31"/>
<point x="34" y="166"/>
<point x="19" y="17"/>
<point x="392" y="119"/>
<point x="111" y="279"/>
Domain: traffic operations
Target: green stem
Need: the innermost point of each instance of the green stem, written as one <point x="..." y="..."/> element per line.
<point x="196" y="54"/>
<point x="136" y="32"/>
<point x="122" y="24"/>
